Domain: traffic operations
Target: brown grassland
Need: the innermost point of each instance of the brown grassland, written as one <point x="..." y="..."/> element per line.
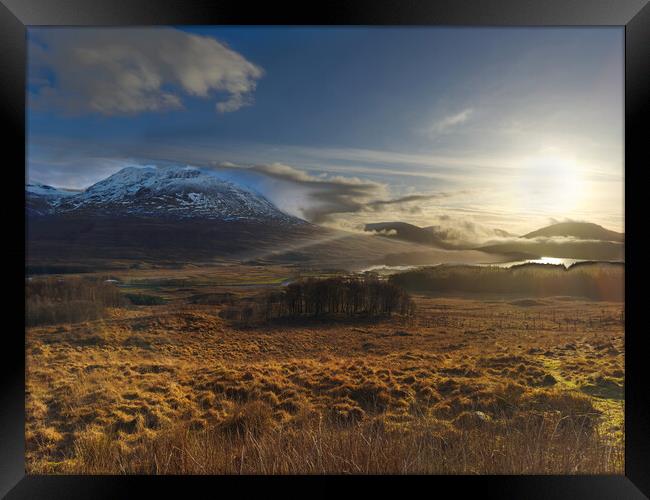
<point x="469" y="384"/>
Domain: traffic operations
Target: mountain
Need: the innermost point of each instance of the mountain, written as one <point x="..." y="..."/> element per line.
<point x="170" y="193"/>
<point x="576" y="249"/>
<point x="41" y="199"/>
<point x="184" y="214"/>
<point x="408" y="232"/>
<point x="578" y="230"/>
<point x="45" y="191"/>
<point x="176" y="214"/>
<point x="155" y="213"/>
<point x="572" y="240"/>
<point x="449" y="237"/>
<point x="465" y="234"/>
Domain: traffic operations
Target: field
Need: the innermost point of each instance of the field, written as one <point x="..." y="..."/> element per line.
<point x="469" y="384"/>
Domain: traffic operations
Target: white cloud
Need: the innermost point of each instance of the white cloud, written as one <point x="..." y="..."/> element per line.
<point x="451" y="121"/>
<point x="114" y="71"/>
<point x="321" y="198"/>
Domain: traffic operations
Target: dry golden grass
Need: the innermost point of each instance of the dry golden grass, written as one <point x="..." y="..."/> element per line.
<point x="468" y="386"/>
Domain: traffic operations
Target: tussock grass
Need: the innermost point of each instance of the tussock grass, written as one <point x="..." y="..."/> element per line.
<point x="461" y="387"/>
<point x="247" y="443"/>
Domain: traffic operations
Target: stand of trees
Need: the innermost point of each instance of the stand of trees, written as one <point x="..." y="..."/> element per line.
<point x="341" y="296"/>
<point x="55" y="300"/>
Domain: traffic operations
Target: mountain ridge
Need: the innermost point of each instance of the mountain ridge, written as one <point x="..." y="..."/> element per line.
<point x="41" y="199"/>
<point x="408" y="232"/>
<point x="578" y="230"/>
<point x="577" y="240"/>
<point x="163" y="192"/>
<point x="177" y="211"/>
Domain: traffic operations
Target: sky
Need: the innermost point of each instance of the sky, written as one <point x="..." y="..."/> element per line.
<point x="509" y="128"/>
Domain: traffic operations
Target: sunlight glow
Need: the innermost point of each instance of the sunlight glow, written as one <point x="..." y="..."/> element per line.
<point x="553" y="184"/>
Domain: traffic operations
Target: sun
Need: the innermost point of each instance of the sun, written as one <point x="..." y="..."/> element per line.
<point x="551" y="184"/>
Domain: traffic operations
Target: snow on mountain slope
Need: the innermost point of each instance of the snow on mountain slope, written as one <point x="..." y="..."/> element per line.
<point x="37" y="189"/>
<point x="171" y="192"/>
<point x="41" y="199"/>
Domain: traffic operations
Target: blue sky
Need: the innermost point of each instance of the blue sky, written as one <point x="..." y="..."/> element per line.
<point x="498" y="126"/>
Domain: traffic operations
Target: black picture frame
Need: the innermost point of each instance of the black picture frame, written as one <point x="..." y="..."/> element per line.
<point x="634" y="15"/>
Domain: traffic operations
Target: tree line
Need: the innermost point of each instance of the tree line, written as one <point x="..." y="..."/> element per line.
<point x="340" y="296"/>
<point x="600" y="281"/>
<point x="57" y="300"/>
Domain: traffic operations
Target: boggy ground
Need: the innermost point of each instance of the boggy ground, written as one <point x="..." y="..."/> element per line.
<point x="468" y="386"/>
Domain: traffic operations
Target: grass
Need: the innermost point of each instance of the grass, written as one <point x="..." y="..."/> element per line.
<point x="466" y="386"/>
<point x="249" y="443"/>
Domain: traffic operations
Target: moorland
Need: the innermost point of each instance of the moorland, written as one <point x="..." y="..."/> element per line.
<point x="147" y="370"/>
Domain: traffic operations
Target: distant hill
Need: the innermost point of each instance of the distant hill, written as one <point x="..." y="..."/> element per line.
<point x="579" y="230"/>
<point x="408" y="232"/>
<point x="578" y="249"/>
<point x="588" y="241"/>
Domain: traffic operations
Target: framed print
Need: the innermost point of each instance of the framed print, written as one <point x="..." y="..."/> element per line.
<point x="381" y="240"/>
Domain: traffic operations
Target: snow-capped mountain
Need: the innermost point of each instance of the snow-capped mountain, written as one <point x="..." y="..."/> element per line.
<point x="170" y="192"/>
<point x="42" y="199"/>
<point x="37" y="189"/>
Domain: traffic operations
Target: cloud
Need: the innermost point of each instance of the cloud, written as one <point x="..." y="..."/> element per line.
<point x="463" y="231"/>
<point x="321" y="197"/>
<point x="451" y="121"/>
<point x="380" y="204"/>
<point x="117" y="71"/>
<point x="329" y="199"/>
<point x="545" y="240"/>
<point x="385" y="232"/>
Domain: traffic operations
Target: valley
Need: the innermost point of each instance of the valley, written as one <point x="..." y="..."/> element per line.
<point x="180" y="324"/>
<point x="325" y="250"/>
<point x="481" y="384"/>
<point x="176" y="380"/>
